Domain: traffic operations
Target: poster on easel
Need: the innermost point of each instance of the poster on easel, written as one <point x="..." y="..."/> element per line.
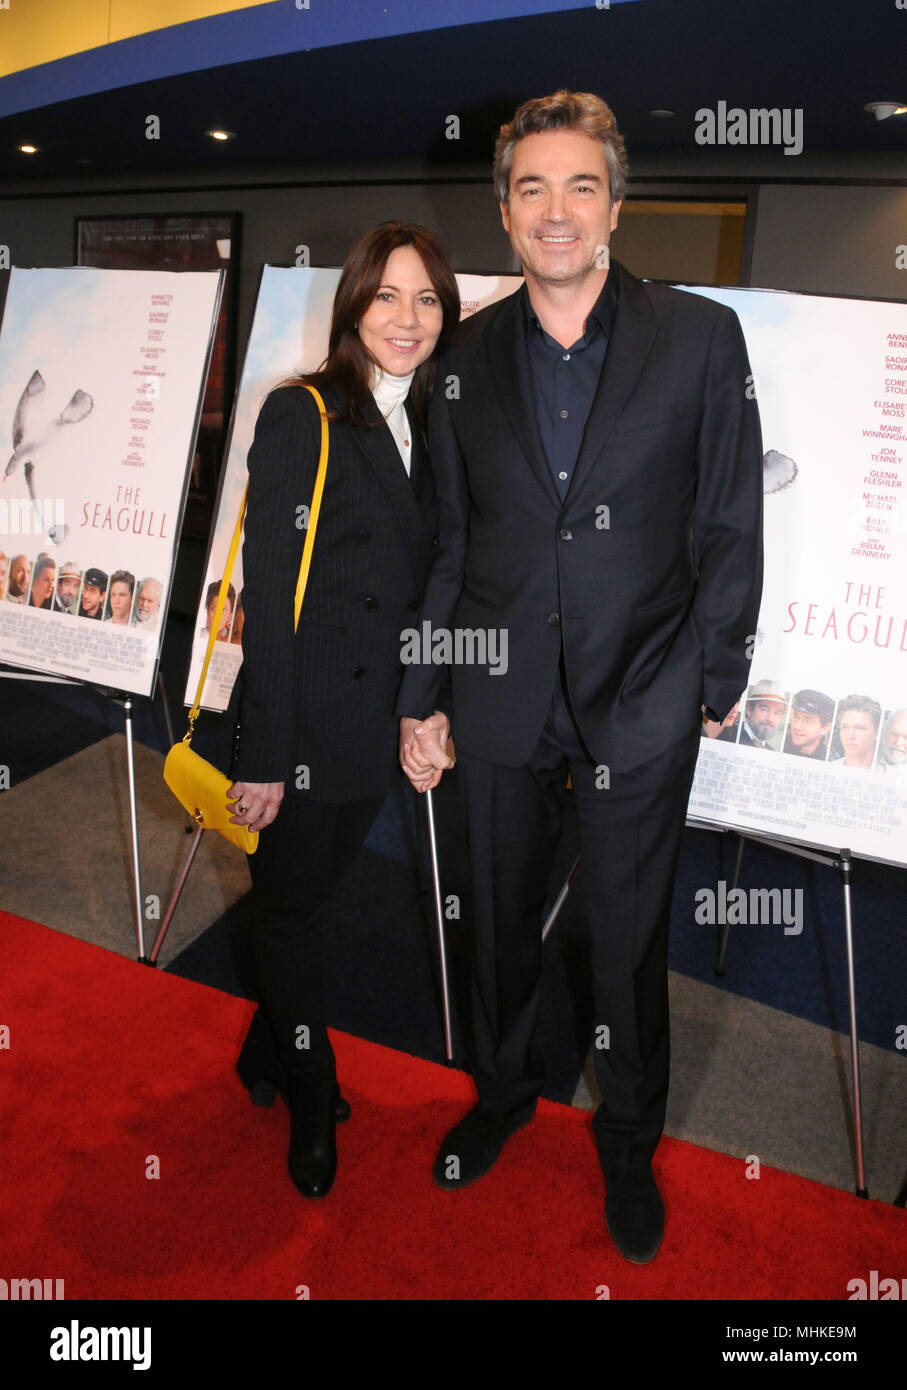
<point x="289" y="335"/>
<point x="815" y="751"/>
<point x="102" y="374"/>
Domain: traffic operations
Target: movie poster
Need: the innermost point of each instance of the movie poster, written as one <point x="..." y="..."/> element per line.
<point x="183" y="241"/>
<point x="101" y="380"/>
<point x="289" y="335"/>
<point x="816" y="750"/>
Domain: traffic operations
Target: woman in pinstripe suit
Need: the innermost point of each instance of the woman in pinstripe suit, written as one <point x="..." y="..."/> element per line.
<point x="318" y="736"/>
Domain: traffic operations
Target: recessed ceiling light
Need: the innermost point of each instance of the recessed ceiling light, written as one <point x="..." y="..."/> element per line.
<point x="28" y="149"/>
<point x="218" y="134"/>
<point x="883" y="109"/>
<point x="662" y="113"/>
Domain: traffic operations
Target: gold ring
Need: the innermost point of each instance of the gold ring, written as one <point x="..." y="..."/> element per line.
<point x="242" y="808"/>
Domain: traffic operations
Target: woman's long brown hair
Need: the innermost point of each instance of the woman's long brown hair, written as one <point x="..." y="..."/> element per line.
<point x="348" y="367"/>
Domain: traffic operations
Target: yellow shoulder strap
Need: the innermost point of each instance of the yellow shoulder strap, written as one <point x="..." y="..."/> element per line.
<point x="314" y="509"/>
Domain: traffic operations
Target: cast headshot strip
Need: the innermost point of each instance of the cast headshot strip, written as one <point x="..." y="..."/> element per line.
<point x="118" y="598"/>
<point x="852" y="731"/>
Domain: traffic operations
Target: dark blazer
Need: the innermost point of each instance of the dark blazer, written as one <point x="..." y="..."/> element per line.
<point x="323" y="698"/>
<point x="649" y="573"/>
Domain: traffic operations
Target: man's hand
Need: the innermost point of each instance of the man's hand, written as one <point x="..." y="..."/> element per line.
<point x="712" y="727"/>
<point x="256" y="803"/>
<point x="423" y="750"/>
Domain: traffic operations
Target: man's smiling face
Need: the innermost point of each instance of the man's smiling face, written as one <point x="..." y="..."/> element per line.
<point x="559" y="215"/>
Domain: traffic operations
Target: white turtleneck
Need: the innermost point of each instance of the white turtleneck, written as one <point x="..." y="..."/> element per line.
<point x="390" y="392"/>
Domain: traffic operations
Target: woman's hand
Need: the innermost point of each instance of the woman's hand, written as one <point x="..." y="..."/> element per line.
<point x="255" y="803"/>
<point x="423" y="750"/>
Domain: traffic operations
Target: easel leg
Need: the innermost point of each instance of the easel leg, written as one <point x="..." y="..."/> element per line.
<point x="162" y="691"/>
<point x="844" y="867"/>
<point x="726" y="929"/>
<point x="134" y="827"/>
<point x="159" y="939"/>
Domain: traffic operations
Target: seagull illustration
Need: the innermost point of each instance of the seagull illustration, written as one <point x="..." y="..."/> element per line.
<point x="778" y="471"/>
<point x="29" y="444"/>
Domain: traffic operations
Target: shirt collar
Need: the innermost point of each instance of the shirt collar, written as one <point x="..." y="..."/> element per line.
<point x="390" y="391"/>
<point x="602" y="311"/>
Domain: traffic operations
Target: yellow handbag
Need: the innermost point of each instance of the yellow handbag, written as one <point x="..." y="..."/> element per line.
<point x="198" y="786"/>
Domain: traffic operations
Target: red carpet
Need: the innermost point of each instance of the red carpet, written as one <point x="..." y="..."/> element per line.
<point x="110" y="1063"/>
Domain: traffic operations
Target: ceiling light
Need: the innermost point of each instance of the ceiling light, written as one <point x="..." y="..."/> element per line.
<point x="28" y="149"/>
<point x="883" y="109"/>
<point x="218" y="134"/>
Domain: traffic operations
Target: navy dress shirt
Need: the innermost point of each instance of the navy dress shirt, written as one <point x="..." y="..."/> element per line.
<point x="566" y="379"/>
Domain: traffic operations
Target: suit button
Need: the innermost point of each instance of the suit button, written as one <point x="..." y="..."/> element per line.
<point x="554" y="619"/>
<point x="362" y="535"/>
<point x="413" y="606"/>
<point x="358" y="673"/>
<point x="434" y="540"/>
<point x="370" y="603"/>
<point x="565" y="533"/>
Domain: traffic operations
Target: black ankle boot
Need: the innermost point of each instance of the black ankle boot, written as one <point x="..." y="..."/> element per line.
<point x="312" y="1159"/>
<point x="263" y="1073"/>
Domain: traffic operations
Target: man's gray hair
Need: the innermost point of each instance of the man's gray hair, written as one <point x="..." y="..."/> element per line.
<point x="582" y="111"/>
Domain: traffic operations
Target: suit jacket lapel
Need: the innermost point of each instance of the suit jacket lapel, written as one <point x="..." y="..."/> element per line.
<point x="632" y="335"/>
<point x="512" y="378"/>
<point x="379" y="447"/>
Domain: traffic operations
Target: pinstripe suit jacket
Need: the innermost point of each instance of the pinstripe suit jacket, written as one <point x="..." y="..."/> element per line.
<point x="322" y="699"/>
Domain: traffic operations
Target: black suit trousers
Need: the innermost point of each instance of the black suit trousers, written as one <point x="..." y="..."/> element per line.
<point x="300" y="858"/>
<point x="630" y="832"/>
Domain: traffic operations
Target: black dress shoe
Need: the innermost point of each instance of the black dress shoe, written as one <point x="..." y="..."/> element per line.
<point x="312" y="1159"/>
<point x="473" y="1146"/>
<point x="635" y="1214"/>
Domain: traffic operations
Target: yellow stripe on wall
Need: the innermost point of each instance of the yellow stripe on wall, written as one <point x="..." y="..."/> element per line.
<point x="40" y="31"/>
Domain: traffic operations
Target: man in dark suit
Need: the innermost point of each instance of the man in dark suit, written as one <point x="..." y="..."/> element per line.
<point x="599" y="469"/>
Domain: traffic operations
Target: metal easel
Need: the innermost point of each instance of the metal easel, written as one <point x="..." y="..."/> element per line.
<point x="843" y="863"/>
<point x="126" y="700"/>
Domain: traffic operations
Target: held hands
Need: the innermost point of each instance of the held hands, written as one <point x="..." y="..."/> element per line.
<point x="256" y="803"/>
<point x="423" y="755"/>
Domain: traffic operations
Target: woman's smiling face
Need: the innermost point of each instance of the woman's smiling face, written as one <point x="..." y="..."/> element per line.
<point x="403" y="322"/>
